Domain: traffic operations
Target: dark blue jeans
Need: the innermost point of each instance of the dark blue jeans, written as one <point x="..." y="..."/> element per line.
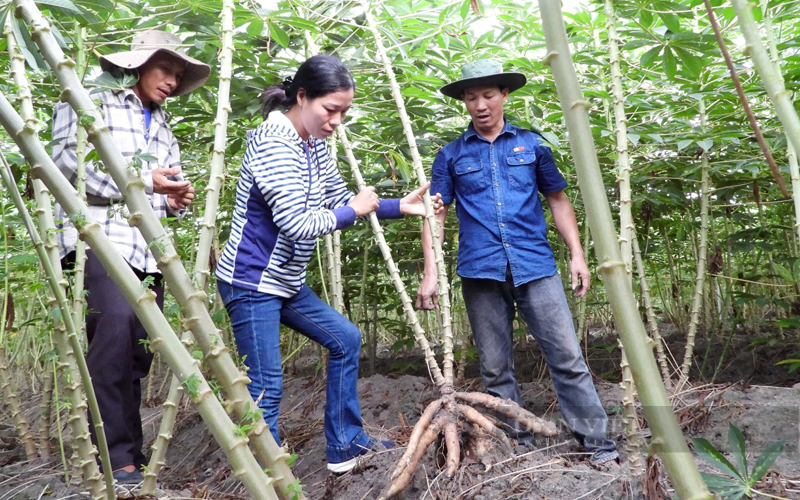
<point x="542" y="304"/>
<point x="256" y="318"/>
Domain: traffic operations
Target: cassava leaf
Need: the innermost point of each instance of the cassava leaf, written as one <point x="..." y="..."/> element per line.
<point x="710" y="454"/>
<point x="736" y="442"/>
<point x="765" y="461"/>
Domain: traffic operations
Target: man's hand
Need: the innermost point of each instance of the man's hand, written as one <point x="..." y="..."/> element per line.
<point x="428" y="294"/>
<point x="413" y="203"/>
<point x="181" y="200"/>
<point x="179" y="193"/>
<point x="581" y="279"/>
<point x="163" y="185"/>
<point x="365" y="202"/>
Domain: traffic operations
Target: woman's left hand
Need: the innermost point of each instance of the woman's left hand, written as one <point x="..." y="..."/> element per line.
<point x="413" y="203"/>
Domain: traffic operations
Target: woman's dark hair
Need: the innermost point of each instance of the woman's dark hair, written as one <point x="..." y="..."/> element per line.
<point x="319" y="75"/>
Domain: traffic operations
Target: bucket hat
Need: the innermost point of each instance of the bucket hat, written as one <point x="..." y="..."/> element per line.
<point x="483" y="72"/>
<point x="145" y="45"/>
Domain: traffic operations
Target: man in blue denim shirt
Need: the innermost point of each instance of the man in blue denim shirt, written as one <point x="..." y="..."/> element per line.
<point x="494" y="172"/>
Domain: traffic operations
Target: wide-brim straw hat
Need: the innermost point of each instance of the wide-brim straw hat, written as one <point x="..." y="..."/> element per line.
<point x="145" y="45"/>
<point x="480" y="73"/>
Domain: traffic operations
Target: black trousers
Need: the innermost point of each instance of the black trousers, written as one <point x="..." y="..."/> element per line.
<point x="117" y="361"/>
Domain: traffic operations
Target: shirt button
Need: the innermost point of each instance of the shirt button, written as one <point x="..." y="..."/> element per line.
<point x="522" y="160"/>
<point x="494" y="164"/>
<point x="498" y="203"/>
<point x="469" y="168"/>
<point x="507" y="245"/>
<point x="497" y="184"/>
<point x="503" y="225"/>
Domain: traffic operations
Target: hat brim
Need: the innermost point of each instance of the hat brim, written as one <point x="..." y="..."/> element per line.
<point x="194" y="76"/>
<point x="511" y="81"/>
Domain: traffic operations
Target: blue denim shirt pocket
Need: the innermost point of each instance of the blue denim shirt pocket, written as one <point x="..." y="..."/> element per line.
<point x="522" y="169"/>
<point x="469" y="176"/>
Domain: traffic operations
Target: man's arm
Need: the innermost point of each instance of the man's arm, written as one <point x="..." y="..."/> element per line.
<point x="179" y="192"/>
<point x="567" y="225"/>
<point x="428" y="291"/>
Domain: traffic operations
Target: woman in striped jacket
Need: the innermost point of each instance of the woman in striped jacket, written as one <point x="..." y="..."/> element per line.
<point x="289" y="194"/>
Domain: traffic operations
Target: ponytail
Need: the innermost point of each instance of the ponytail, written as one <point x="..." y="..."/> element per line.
<point x="319" y="75"/>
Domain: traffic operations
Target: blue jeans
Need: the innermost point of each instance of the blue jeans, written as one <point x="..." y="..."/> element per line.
<point x="256" y="318"/>
<point x="542" y="304"/>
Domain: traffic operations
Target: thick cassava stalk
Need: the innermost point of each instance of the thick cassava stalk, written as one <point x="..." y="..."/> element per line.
<point x="159" y="448"/>
<point x="394" y="273"/>
<point x="68" y="352"/>
<point x="23" y="428"/>
<point x="633" y="437"/>
<point x="91" y="475"/>
<point x="11" y="401"/>
<point x="333" y="252"/>
<point x="652" y="325"/>
<point x="795" y="172"/>
<point x="207" y="231"/>
<point x="769" y="72"/>
<point x="142" y="301"/>
<point x="700" y="275"/>
<point x="668" y="440"/>
<point x="444" y="288"/>
<point x="45" y="406"/>
<point x="338" y="286"/>
<point x="745" y="103"/>
<point x="216" y="175"/>
<point x="621" y="132"/>
<point x="791" y="155"/>
<point x="630" y="420"/>
<point x="193" y="302"/>
<point x="78" y="299"/>
<point x="329" y="270"/>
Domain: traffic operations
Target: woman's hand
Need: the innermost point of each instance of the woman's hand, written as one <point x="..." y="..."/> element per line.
<point x="365" y="202"/>
<point x="413" y="204"/>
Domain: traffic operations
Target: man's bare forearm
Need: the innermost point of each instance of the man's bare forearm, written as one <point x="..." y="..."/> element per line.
<point x="427" y="242"/>
<point x="565" y="221"/>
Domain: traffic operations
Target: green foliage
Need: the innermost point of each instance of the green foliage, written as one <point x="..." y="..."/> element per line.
<point x="85" y="121"/>
<point x="792" y="363"/>
<point x="251" y="415"/>
<point x="145" y="343"/>
<point x="139" y="158"/>
<point x="77" y="220"/>
<point x="158" y="245"/>
<point x="192" y="384"/>
<point x="148" y="282"/>
<point x="295" y="489"/>
<point x="242" y="430"/>
<point x="216" y="388"/>
<point x="736" y="481"/>
<point x="107" y="81"/>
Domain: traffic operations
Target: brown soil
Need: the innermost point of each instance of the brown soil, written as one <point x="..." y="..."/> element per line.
<point x="391" y="403"/>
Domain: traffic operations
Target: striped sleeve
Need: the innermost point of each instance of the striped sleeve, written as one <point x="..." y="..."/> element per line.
<point x="278" y="174"/>
<point x="336" y="192"/>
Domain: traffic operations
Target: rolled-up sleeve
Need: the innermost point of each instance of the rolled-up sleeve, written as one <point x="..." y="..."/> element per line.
<point x="547" y="174"/>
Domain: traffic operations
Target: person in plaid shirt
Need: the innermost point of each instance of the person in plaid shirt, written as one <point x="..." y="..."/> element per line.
<point x="116" y="359"/>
